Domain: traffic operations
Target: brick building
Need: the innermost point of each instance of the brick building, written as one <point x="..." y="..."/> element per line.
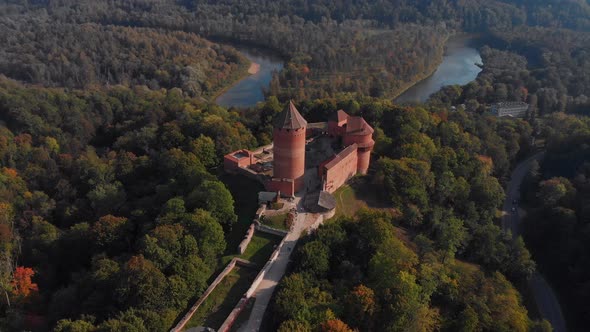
<point x="357" y="139"/>
<point x="289" y="150"/>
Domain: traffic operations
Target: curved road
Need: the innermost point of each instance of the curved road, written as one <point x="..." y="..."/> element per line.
<point x="545" y="298"/>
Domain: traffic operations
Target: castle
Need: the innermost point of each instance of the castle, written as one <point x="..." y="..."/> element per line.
<point x="281" y="166"/>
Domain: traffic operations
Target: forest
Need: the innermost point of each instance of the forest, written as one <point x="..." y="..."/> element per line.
<point x="114" y="215"/>
<point x="548" y="68"/>
<point x="129" y="171"/>
<point x="442" y="173"/>
<point x="109" y="211"/>
<point x="85" y="55"/>
<point x="366" y="48"/>
<point x="557" y="229"/>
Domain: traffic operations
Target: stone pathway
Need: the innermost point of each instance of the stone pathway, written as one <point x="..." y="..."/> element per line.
<point x="277" y="270"/>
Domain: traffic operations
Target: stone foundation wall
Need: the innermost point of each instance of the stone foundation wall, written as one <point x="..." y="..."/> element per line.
<point x="187" y="317"/>
<point x="249" y="234"/>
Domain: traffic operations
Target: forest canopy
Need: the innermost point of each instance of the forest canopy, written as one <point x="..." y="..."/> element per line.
<point x="113" y="214"/>
<point x="82" y="55"/>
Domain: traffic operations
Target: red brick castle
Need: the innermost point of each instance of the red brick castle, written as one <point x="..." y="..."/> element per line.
<point x="281" y="166"/>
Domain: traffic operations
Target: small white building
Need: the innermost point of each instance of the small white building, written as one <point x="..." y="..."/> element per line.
<point x="516" y="109"/>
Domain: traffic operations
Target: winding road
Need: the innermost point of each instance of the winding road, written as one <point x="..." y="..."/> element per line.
<point x="544" y="295"/>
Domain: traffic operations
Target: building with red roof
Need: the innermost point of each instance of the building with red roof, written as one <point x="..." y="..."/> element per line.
<point x="288" y="152"/>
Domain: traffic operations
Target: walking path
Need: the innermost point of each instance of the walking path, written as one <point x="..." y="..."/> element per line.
<point x="266" y="288"/>
<point x="545" y="298"/>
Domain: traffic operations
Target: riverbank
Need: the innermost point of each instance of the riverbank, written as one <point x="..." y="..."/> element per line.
<point x="254" y="68"/>
<point x="456" y="64"/>
<point x="242" y="73"/>
<point x="249" y="90"/>
<point x="424" y="76"/>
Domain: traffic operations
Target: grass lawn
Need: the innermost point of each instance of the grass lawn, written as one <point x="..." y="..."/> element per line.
<point x="359" y="193"/>
<point x="261" y="247"/>
<point x="229" y="291"/>
<point x="346" y="202"/>
<point x="213" y="312"/>
<point x="276" y="221"/>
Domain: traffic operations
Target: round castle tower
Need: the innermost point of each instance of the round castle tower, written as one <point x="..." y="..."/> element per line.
<point x="358" y="131"/>
<point x="289" y="146"/>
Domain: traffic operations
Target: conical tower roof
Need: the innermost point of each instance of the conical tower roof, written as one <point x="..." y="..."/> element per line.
<point x="289" y="118"/>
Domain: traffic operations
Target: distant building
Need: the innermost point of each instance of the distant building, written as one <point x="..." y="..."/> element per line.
<point x="516" y="109"/>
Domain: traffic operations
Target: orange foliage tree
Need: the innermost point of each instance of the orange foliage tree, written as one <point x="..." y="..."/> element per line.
<point x="335" y="325"/>
<point x="22" y="285"/>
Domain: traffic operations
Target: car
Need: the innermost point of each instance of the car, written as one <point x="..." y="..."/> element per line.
<point x="513" y="209"/>
<point x="514" y="201"/>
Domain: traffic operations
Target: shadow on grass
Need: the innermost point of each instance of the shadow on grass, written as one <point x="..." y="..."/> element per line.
<point x="218" y="305"/>
<point x="245" y="194"/>
<point x="261" y="247"/>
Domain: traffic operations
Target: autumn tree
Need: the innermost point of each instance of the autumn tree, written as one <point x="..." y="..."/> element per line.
<point x="22" y="285"/>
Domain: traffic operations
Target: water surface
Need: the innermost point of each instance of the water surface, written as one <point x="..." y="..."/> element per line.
<point x="458" y="67"/>
<point x="249" y="91"/>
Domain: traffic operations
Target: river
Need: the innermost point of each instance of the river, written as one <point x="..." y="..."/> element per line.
<point x="249" y="91"/>
<point x="457" y="67"/>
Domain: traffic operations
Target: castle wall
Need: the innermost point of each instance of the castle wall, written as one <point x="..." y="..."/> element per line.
<point x="231" y="163"/>
<point x="364" y="159"/>
<point x="340" y="171"/>
<point x="336" y="128"/>
<point x="365" y="146"/>
<point x="285" y="187"/>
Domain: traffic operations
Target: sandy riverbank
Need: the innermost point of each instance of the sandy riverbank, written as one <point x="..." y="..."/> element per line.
<point x="254" y="68"/>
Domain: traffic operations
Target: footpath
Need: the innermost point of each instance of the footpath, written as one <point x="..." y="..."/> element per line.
<point x="277" y="270"/>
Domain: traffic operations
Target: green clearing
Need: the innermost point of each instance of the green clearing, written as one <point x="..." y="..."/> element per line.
<point x="261" y="247"/>
<point x="277" y="221"/>
<point x="358" y="194"/>
<point x="228" y="292"/>
<point x="347" y="202"/>
<point x="215" y="309"/>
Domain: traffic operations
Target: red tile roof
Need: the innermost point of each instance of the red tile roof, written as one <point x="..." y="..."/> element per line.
<point x="339" y="116"/>
<point x="358" y="126"/>
<point x="289" y="118"/>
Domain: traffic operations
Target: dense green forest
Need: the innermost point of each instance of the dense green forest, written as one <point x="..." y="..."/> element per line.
<point x="442" y="173"/>
<point x="548" y="68"/>
<point x="558" y="227"/>
<point x="110" y="212"/>
<point x="82" y="55"/>
<point x="113" y="217"/>
<point x="371" y="48"/>
<point x="107" y="197"/>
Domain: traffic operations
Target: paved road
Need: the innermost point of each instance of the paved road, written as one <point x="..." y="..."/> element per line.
<point x="542" y="292"/>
